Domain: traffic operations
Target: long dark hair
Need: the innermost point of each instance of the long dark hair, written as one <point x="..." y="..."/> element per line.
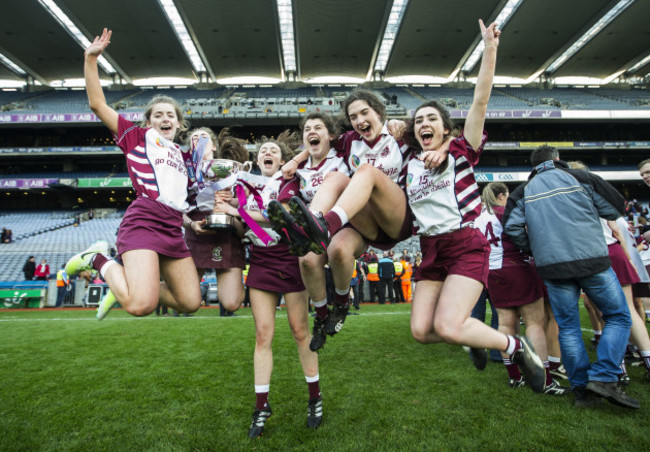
<point x="447" y="122"/>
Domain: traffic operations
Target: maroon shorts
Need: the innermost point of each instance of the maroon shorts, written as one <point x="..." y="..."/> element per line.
<point x="274" y="269"/>
<point x="221" y="250"/>
<point x="625" y="271"/>
<point x="151" y="225"/>
<point x="464" y="252"/>
<point x="515" y="285"/>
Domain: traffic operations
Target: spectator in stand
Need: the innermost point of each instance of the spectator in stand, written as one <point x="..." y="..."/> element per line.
<point x="4" y="235"/>
<point x="8" y="236"/>
<point x="29" y="268"/>
<point x="386" y="275"/>
<point x="91" y="214"/>
<point x="42" y="271"/>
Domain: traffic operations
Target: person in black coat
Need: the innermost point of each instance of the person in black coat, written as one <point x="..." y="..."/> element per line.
<point x="29" y="268"/>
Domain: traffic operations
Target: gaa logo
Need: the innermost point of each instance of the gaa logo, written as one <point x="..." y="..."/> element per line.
<point x="355" y="161"/>
<point x="303" y="183"/>
<point x="159" y="143"/>
<point x="409" y="178"/>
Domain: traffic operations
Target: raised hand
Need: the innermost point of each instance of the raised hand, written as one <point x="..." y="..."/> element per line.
<point x="100" y="43"/>
<point x="490" y="34"/>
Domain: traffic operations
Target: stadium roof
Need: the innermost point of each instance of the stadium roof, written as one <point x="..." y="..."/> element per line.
<point x="349" y="39"/>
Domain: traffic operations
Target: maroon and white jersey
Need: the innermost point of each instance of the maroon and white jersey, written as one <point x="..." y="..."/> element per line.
<point x="311" y="177"/>
<point x="269" y="189"/>
<point x="447" y="198"/>
<point x="156" y="166"/>
<point x="385" y="153"/>
<point x="503" y="253"/>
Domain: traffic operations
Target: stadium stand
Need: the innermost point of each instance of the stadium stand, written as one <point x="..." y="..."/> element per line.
<point x="55" y="239"/>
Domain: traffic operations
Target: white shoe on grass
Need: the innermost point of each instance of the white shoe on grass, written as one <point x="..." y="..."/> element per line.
<point x="83" y="260"/>
<point x="106" y="305"/>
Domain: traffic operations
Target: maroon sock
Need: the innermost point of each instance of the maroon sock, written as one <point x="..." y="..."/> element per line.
<point x="98" y="261"/>
<point x="554" y="365"/>
<point x="322" y="312"/>
<point x="333" y="223"/>
<point x="261" y="400"/>
<point x="314" y="390"/>
<point x="549" y="377"/>
<point x="512" y="369"/>
<point x="342" y="300"/>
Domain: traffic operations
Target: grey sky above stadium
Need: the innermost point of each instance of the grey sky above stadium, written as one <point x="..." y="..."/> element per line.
<point x="306" y="40"/>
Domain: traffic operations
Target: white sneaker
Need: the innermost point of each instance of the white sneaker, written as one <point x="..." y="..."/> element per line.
<point x="83" y="260"/>
<point x="106" y="305"/>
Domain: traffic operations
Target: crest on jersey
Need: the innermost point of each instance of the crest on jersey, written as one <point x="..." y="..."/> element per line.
<point x="159" y="143"/>
<point x="355" y="161"/>
<point x="303" y="183"/>
<point x="409" y="178"/>
<point x="385" y="152"/>
<point x="216" y="254"/>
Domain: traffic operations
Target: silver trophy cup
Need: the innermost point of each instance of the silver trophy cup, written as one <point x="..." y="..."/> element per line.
<point x="218" y="171"/>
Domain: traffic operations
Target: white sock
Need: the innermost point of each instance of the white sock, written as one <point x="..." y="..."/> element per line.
<point x="313" y="379"/>
<point x="512" y="344"/>
<point x="342" y="292"/>
<point x="105" y="267"/>
<point x="262" y="388"/>
<point x="554" y="359"/>
<point x="320" y="304"/>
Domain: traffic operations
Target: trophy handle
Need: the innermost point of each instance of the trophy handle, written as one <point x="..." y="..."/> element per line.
<point x="250" y="167"/>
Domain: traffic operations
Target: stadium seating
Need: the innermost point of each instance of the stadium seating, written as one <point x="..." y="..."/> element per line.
<point x="54" y="239"/>
<point x="278" y="102"/>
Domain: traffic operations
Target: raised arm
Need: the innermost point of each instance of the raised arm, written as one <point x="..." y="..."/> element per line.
<point x="476" y="116"/>
<point x="94" y="90"/>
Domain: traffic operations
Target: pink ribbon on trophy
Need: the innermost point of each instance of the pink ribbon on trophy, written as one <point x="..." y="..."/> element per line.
<point x="241" y="197"/>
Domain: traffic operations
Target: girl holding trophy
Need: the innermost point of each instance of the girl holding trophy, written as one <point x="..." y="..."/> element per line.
<point x="150" y="241"/>
<point x="273" y="270"/>
<point x="219" y="248"/>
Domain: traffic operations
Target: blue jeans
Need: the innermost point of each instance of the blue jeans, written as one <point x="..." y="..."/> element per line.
<point x="606" y="293"/>
<point x="479" y="313"/>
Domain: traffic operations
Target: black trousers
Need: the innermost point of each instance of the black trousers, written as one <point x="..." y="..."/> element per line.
<point x="397" y="288"/>
<point x="386" y="284"/>
<point x="374" y="292"/>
